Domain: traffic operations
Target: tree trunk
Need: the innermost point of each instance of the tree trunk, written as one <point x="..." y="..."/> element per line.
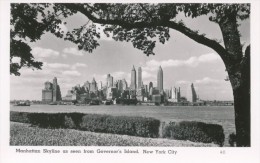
<point x="238" y="68"/>
<point x="242" y="103"/>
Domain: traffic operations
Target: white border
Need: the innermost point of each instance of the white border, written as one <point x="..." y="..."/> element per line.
<point x="185" y="154"/>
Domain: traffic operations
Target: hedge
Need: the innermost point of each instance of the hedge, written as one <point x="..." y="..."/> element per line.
<point x="135" y="126"/>
<point x="19" y="117"/>
<point x="195" y="131"/>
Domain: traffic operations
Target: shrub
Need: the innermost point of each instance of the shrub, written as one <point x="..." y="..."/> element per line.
<point x="136" y="126"/>
<point x="232" y="139"/>
<point x="47" y="120"/>
<point x="195" y="131"/>
<point x="21" y="117"/>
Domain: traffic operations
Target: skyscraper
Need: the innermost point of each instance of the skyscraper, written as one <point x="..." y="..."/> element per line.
<point x="51" y="92"/>
<point x="55" y="83"/>
<point x="150" y="85"/>
<point x="100" y="85"/>
<point x="139" y="82"/>
<point x="109" y="81"/>
<point x="133" y="79"/>
<point x="191" y="94"/>
<point x="160" y="80"/>
<point x="124" y="84"/>
<point x="93" y="86"/>
<point x="120" y="86"/>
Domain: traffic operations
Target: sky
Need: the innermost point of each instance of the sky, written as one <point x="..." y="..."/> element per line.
<point x="183" y="61"/>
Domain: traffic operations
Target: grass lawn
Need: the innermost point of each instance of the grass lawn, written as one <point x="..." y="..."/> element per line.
<point x="25" y="135"/>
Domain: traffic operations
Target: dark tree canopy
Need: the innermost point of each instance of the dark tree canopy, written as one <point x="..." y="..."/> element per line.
<point x="137" y="23"/>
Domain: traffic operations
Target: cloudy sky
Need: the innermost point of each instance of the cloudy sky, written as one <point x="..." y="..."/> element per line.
<point x="183" y="61"/>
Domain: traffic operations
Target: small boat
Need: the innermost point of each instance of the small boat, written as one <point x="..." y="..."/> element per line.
<point x="53" y="103"/>
<point x="22" y="103"/>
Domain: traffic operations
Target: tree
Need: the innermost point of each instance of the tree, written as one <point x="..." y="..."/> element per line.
<point x="140" y="24"/>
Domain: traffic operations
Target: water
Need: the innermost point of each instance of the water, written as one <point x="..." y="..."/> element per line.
<point x="223" y="115"/>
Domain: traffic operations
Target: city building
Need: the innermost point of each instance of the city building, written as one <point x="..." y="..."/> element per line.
<point x="51" y="91"/>
<point x="175" y="95"/>
<point x="191" y="93"/>
<point x="133" y="79"/>
<point x="125" y="86"/>
<point x="150" y="85"/>
<point x="87" y="86"/>
<point x="71" y="95"/>
<point x="139" y="82"/>
<point x="160" y="80"/>
<point x="111" y="93"/>
<point x="120" y="86"/>
<point x="100" y="86"/>
<point x="93" y="86"/>
<point x="109" y="81"/>
<point x="140" y="93"/>
<point x="146" y="90"/>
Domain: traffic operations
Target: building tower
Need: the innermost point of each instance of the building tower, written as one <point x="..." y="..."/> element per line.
<point x="150" y="85"/>
<point x="47" y="92"/>
<point x="51" y="92"/>
<point x="100" y="85"/>
<point x="109" y="81"/>
<point x="133" y="79"/>
<point x="160" y="80"/>
<point x="93" y="86"/>
<point x="139" y="83"/>
<point x="55" y="86"/>
<point x="191" y="94"/>
<point x="124" y="84"/>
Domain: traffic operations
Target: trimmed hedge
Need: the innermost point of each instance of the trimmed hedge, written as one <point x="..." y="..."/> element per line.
<point x="135" y="126"/>
<point x="19" y="117"/>
<point x="195" y="131"/>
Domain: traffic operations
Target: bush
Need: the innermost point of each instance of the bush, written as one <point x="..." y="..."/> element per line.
<point x="21" y="117"/>
<point x="195" y="131"/>
<point x="135" y="126"/>
<point x="232" y="139"/>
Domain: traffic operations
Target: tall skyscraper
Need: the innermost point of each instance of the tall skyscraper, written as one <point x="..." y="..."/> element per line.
<point x="139" y="82"/>
<point x="124" y="84"/>
<point x="93" y="86"/>
<point x="191" y="94"/>
<point x="160" y="80"/>
<point x="120" y="86"/>
<point x="100" y="85"/>
<point x="133" y="79"/>
<point x="150" y="85"/>
<point x="55" y="83"/>
<point x="51" y="92"/>
<point x="109" y="81"/>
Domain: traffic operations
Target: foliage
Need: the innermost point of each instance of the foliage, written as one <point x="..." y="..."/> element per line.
<point x="136" y="126"/>
<point x="139" y="23"/>
<point x="232" y="139"/>
<point x="28" y="23"/>
<point x="195" y="131"/>
<point x="24" y="135"/>
<point x="21" y="117"/>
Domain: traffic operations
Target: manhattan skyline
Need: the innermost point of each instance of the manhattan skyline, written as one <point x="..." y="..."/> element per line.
<point x="183" y="61"/>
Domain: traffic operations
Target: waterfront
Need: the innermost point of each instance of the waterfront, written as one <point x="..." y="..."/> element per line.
<point x="223" y="115"/>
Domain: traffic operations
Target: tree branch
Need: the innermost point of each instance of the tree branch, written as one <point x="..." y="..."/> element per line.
<point x="171" y="24"/>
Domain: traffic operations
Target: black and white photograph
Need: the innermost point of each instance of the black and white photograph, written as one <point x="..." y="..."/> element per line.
<point x="144" y="75"/>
